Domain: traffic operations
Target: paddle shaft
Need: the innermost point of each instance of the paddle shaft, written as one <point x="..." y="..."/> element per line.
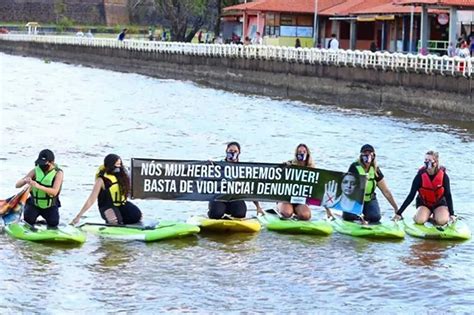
<point x="127" y="226"/>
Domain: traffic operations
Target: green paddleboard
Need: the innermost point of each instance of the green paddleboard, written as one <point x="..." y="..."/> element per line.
<point x="454" y="231"/>
<point x="161" y="231"/>
<point x="273" y="223"/>
<point x="40" y="233"/>
<point x="382" y="230"/>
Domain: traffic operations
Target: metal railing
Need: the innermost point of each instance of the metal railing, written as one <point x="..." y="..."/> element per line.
<point x="430" y="64"/>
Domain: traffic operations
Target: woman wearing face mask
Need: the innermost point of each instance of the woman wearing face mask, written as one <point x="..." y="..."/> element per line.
<point x="238" y="208"/>
<point x="302" y="157"/>
<point x="45" y="181"/>
<point x="434" y="193"/>
<point x="367" y="165"/>
<point x="111" y="188"/>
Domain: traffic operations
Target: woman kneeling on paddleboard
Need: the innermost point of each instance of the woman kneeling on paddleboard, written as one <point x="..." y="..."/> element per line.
<point x="302" y="157"/>
<point x="111" y="189"/>
<point x="367" y="165"/>
<point x="434" y="193"/>
<point x="238" y="208"/>
<point x="45" y="181"/>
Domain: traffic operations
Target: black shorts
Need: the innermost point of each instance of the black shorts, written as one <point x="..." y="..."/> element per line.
<point x="127" y="213"/>
<point x="441" y="203"/>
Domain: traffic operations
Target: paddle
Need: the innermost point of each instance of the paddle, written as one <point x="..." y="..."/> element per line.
<point x="31" y="227"/>
<point x="153" y="226"/>
<point x="12" y="202"/>
<point x="274" y="211"/>
<point x="332" y="216"/>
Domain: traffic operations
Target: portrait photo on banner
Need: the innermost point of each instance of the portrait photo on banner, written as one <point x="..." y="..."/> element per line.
<point x="345" y="195"/>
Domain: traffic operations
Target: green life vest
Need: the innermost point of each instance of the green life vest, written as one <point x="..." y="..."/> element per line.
<point x="370" y="184"/>
<point x="41" y="199"/>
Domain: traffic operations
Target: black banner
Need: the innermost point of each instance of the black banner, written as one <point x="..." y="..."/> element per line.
<point x="224" y="181"/>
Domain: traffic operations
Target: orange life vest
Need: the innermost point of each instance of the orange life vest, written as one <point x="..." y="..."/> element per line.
<point x="431" y="191"/>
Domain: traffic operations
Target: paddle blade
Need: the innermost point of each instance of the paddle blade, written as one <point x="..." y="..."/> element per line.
<point x="13" y="204"/>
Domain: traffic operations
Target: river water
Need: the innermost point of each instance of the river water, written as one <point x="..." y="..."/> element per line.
<point x="82" y="114"/>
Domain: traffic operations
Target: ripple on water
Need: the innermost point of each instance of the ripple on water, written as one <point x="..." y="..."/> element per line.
<point x="136" y="116"/>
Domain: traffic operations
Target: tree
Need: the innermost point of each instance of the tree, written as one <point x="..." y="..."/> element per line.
<point x="185" y="17"/>
<point x="59" y="10"/>
<point x="218" y="6"/>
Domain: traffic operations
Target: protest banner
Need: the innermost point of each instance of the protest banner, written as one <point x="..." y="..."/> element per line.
<point x="224" y="181"/>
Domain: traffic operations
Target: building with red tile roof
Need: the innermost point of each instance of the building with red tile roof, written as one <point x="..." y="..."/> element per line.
<point x="460" y="4"/>
<point x="452" y="5"/>
<point x="290" y="6"/>
<point x="358" y="24"/>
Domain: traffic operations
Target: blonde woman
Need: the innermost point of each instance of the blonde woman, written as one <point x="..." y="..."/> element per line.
<point x="302" y="157"/>
<point x="434" y="193"/>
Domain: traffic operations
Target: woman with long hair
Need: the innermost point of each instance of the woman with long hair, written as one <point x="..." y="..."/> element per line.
<point x="434" y="193"/>
<point x="302" y="157"/>
<point x="237" y="208"/>
<point x="111" y="188"/>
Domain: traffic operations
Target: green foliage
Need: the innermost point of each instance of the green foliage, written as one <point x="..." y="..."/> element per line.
<point x="59" y="8"/>
<point x="101" y="29"/>
<point x="182" y="15"/>
<point x="133" y="29"/>
<point x="118" y="28"/>
<point x="64" y="23"/>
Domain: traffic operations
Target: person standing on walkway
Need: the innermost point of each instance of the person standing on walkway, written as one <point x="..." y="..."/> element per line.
<point x="333" y="43"/>
<point x="451" y="52"/>
<point x="257" y="40"/>
<point x="200" y="37"/>
<point x="122" y="34"/>
<point x="297" y="43"/>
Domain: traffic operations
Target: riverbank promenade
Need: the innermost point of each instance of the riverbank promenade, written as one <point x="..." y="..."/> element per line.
<point x="385" y="61"/>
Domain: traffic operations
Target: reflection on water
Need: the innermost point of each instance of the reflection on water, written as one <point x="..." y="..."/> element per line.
<point x="427" y="253"/>
<point x="82" y="114"/>
<point x="112" y="254"/>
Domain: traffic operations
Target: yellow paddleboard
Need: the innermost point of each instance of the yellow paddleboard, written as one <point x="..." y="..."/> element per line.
<point x="225" y="225"/>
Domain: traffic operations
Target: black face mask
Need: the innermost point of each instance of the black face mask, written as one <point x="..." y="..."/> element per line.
<point x="428" y="164"/>
<point x="232" y="155"/>
<point x="44" y="167"/>
<point x="301" y="156"/>
<point x="117" y="170"/>
<point x="366" y="158"/>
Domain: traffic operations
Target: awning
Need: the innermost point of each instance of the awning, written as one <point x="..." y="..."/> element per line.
<point x="366" y="19"/>
<point x="373" y="18"/>
<point x="385" y="17"/>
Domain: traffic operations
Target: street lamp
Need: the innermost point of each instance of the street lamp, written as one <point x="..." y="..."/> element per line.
<point x="412" y="13"/>
<point x="315" y="24"/>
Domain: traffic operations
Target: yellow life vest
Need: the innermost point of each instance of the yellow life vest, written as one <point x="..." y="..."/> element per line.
<point x="118" y="198"/>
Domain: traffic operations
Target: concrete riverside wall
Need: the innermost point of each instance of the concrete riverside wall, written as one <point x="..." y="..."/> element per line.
<point x="438" y="96"/>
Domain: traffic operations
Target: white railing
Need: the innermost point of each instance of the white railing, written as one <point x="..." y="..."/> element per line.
<point x="430" y="64"/>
